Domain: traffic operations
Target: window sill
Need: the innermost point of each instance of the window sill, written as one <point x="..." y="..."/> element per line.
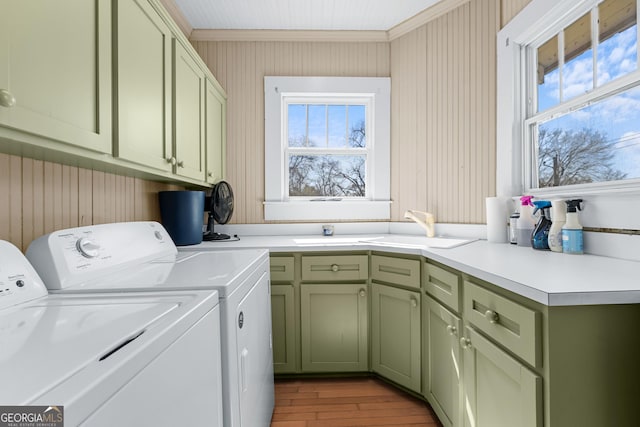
<point x="327" y="210"/>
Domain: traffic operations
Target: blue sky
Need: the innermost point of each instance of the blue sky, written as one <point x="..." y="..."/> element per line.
<point x="619" y="116"/>
<point x="337" y="129"/>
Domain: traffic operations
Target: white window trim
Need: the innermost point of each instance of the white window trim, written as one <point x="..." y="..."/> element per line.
<point x="539" y="20"/>
<point x="377" y="204"/>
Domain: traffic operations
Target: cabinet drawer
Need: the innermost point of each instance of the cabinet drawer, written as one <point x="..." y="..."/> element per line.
<point x="443" y="284"/>
<point x="396" y="270"/>
<point x="512" y="325"/>
<point x="282" y="268"/>
<point x="335" y="268"/>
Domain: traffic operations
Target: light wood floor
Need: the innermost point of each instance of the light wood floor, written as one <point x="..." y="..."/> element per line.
<point x="347" y="402"/>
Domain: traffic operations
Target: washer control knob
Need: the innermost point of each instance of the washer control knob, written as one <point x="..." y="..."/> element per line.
<point x="88" y="248"/>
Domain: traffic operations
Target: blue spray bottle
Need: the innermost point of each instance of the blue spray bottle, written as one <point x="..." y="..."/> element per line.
<point x="540" y="235"/>
<point x="572" y="242"/>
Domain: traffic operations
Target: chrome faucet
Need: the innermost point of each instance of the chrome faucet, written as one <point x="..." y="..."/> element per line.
<point x="428" y="223"/>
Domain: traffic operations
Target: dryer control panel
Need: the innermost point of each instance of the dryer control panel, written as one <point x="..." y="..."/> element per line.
<point x="66" y="258"/>
<point x="19" y="282"/>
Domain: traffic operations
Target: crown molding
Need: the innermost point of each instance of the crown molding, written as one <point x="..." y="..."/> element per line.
<point x="289" y="35"/>
<point x="437" y="10"/>
<point x="176" y="14"/>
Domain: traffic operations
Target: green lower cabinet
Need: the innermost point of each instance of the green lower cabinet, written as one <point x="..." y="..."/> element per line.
<point x="334" y="321"/>
<point x="498" y="390"/>
<point x="442" y="381"/>
<point x="283" y="328"/>
<point x="395" y="335"/>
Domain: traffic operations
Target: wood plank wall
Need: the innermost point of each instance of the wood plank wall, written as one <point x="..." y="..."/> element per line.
<point x="38" y="197"/>
<point x="443" y="108"/>
<point x="444" y="103"/>
<point x="240" y="68"/>
<point x="510" y="8"/>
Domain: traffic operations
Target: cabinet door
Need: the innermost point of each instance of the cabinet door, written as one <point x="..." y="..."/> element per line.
<point x="283" y="325"/>
<point x="55" y="62"/>
<point x="188" y="110"/>
<point x="442" y="368"/>
<point x="499" y="391"/>
<point x="395" y="335"/>
<point x="215" y="129"/>
<point x="142" y="73"/>
<point x="334" y="328"/>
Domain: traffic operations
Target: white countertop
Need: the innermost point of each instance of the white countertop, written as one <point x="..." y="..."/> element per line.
<point x="546" y="277"/>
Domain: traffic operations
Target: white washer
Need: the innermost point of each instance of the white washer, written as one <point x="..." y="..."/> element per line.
<point x="68" y="260"/>
<point x="104" y="357"/>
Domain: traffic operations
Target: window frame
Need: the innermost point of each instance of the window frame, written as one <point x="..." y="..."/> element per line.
<point x="277" y="204"/>
<point x="537" y="22"/>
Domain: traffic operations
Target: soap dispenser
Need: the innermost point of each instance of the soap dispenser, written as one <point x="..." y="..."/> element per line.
<point x="559" y="217"/>
<point x="572" y="240"/>
<point x="540" y="235"/>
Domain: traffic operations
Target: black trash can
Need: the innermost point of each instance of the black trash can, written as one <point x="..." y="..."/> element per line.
<point x="182" y="215"/>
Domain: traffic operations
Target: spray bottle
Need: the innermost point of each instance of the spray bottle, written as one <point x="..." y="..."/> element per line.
<point x="540" y="236"/>
<point x="526" y="223"/>
<point x="572" y="242"/>
<point x="558" y="216"/>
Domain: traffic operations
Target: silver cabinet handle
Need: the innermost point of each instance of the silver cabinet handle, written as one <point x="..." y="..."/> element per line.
<point x="492" y="316"/>
<point x="334" y="267"/>
<point x="171" y="161"/>
<point x="209" y="174"/>
<point x="362" y="292"/>
<point x="452" y="329"/>
<point x="181" y="164"/>
<point x="465" y="343"/>
<point x="414" y="302"/>
<point x="7" y="99"/>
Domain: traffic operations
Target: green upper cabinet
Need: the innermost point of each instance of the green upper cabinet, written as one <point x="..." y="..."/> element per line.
<point x="188" y="114"/>
<point x="395" y="334"/>
<point x="55" y="71"/>
<point x="216" y="132"/>
<point x="334" y="328"/>
<point x="142" y="77"/>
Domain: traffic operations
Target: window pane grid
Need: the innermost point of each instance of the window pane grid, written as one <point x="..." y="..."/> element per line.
<point x="584" y="104"/>
<point x="326" y="150"/>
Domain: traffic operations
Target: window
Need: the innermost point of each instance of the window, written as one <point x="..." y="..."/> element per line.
<point x="585" y="126"/>
<point x="327" y="148"/>
<point x="577" y="118"/>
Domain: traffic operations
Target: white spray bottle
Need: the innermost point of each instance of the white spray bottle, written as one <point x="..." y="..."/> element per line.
<point x="559" y="217"/>
<point x="526" y="223"/>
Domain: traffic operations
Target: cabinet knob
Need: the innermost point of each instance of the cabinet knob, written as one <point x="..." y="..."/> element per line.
<point x="414" y="302"/>
<point x="181" y="164"/>
<point x="209" y="174"/>
<point x="491" y="316"/>
<point x="7" y="99"/>
<point x="465" y="343"/>
<point x="171" y="161"/>
<point x="335" y="267"/>
<point x="362" y="292"/>
<point x="452" y="329"/>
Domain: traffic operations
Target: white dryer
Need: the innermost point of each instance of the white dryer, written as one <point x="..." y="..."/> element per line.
<point x="107" y="359"/>
<point x="68" y="260"/>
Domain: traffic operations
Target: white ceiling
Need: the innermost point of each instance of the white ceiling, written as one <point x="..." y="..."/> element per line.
<point x="300" y="14"/>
